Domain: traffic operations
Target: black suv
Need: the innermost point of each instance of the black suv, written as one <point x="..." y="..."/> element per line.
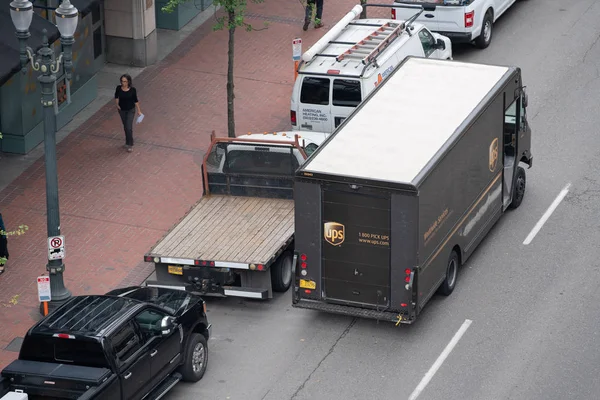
<point x="131" y="343"/>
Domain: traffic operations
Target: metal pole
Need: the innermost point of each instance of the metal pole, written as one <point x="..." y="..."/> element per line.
<point x="47" y="80"/>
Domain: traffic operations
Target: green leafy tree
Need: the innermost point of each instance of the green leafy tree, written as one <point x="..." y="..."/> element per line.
<point x="234" y="18"/>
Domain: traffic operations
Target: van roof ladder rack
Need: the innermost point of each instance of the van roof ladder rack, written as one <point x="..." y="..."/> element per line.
<point x="370" y="47"/>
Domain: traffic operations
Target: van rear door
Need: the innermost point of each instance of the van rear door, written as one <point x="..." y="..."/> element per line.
<point x="314" y="110"/>
<point x="346" y="96"/>
<point x="356" y="248"/>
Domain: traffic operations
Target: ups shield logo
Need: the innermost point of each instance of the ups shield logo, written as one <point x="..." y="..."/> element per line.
<point x="493" y="155"/>
<point x="334" y="233"/>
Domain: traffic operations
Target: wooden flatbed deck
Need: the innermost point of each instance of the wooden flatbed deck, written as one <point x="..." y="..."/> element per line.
<point x="230" y="228"/>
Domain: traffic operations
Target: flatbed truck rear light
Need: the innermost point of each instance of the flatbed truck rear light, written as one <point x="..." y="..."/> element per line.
<point x="393" y="13"/>
<point x="204" y="263"/>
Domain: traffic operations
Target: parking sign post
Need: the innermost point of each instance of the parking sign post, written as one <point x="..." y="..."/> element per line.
<point x="296" y="54"/>
<point x="44" y="292"/>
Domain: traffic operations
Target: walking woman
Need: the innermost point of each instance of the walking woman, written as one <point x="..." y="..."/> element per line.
<point x="127" y="104"/>
<point x="3" y="245"/>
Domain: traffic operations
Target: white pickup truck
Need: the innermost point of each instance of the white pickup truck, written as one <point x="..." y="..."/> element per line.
<point x="460" y="20"/>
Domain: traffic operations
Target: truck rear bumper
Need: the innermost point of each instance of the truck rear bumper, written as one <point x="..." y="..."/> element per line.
<point x="219" y="291"/>
<point x="458" y="37"/>
<point x="352" y="311"/>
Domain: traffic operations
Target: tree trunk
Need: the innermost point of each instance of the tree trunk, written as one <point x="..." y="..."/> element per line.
<point x="230" y="94"/>
<point x="363" y="13"/>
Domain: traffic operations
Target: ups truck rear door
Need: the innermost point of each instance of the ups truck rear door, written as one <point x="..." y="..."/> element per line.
<point x="355" y="246"/>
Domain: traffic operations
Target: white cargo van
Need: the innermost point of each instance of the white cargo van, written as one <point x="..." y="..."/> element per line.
<point x="351" y="60"/>
<point x="463" y="21"/>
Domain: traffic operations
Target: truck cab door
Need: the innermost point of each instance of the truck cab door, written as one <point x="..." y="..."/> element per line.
<point x="133" y="362"/>
<point x="509" y="145"/>
<point x="164" y="342"/>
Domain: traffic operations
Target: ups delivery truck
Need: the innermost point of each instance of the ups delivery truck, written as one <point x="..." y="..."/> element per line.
<point x="401" y="194"/>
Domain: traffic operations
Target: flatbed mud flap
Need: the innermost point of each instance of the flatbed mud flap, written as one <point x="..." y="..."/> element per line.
<point x="353" y="311"/>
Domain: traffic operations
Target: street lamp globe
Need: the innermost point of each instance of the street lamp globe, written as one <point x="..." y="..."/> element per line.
<point x="21" y="13"/>
<point x="66" y="19"/>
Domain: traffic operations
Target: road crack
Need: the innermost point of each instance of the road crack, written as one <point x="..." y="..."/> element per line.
<point x="331" y="349"/>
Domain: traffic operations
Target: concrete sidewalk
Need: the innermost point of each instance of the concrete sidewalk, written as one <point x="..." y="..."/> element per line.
<point x="115" y="205"/>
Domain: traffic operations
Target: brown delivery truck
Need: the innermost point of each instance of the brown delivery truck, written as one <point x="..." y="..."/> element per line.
<point x="401" y="194"/>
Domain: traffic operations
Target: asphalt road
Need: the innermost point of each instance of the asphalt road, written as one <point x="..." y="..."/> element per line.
<point x="534" y="308"/>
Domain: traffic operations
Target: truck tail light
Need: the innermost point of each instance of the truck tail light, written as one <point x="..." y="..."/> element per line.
<point x="260" y="267"/>
<point x="303" y="264"/>
<point x="469" y="18"/>
<point x="393" y="13"/>
<point x="148" y="258"/>
<point x="63" y="336"/>
<point x="303" y="259"/>
<point x="293" y="117"/>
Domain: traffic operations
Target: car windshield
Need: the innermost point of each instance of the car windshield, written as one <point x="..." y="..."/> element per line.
<point x="171" y="300"/>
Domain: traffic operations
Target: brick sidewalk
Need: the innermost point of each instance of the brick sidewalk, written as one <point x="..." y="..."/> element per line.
<point x="116" y="205"/>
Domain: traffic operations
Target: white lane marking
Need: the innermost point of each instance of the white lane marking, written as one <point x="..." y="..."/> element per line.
<point x="440" y="360"/>
<point x="547" y="214"/>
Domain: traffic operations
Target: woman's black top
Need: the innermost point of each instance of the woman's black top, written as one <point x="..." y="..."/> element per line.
<point x="127" y="99"/>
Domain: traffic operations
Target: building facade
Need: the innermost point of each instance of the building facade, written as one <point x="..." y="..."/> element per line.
<point x="117" y="31"/>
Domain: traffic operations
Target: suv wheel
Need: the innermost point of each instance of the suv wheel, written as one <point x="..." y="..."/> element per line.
<point x="195" y="358"/>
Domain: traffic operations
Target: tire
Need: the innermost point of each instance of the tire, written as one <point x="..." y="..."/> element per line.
<point x="281" y="273"/>
<point x="487" y="31"/>
<point x="518" y="189"/>
<point x="193" y="370"/>
<point x="447" y="287"/>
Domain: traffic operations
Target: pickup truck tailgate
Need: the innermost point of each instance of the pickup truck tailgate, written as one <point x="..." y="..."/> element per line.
<point x="53" y="379"/>
<point x="230" y="229"/>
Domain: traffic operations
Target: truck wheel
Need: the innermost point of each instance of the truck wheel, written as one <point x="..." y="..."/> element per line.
<point x="195" y="358"/>
<point x="485" y="38"/>
<point x="281" y="273"/>
<point x="451" y="271"/>
<point x="518" y="188"/>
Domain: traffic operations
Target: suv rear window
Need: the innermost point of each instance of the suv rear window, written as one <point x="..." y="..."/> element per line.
<point x="261" y="162"/>
<point x="66" y="351"/>
<point x="315" y="91"/>
<point x="346" y="92"/>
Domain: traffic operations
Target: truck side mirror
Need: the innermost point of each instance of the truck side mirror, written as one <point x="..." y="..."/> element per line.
<point x="525" y="100"/>
<point x="440" y="44"/>
<point x="167" y="325"/>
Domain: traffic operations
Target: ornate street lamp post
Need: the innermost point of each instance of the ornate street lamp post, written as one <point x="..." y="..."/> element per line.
<point x="21" y="12"/>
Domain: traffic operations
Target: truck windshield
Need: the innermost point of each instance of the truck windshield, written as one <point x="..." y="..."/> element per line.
<point x="65" y="351"/>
